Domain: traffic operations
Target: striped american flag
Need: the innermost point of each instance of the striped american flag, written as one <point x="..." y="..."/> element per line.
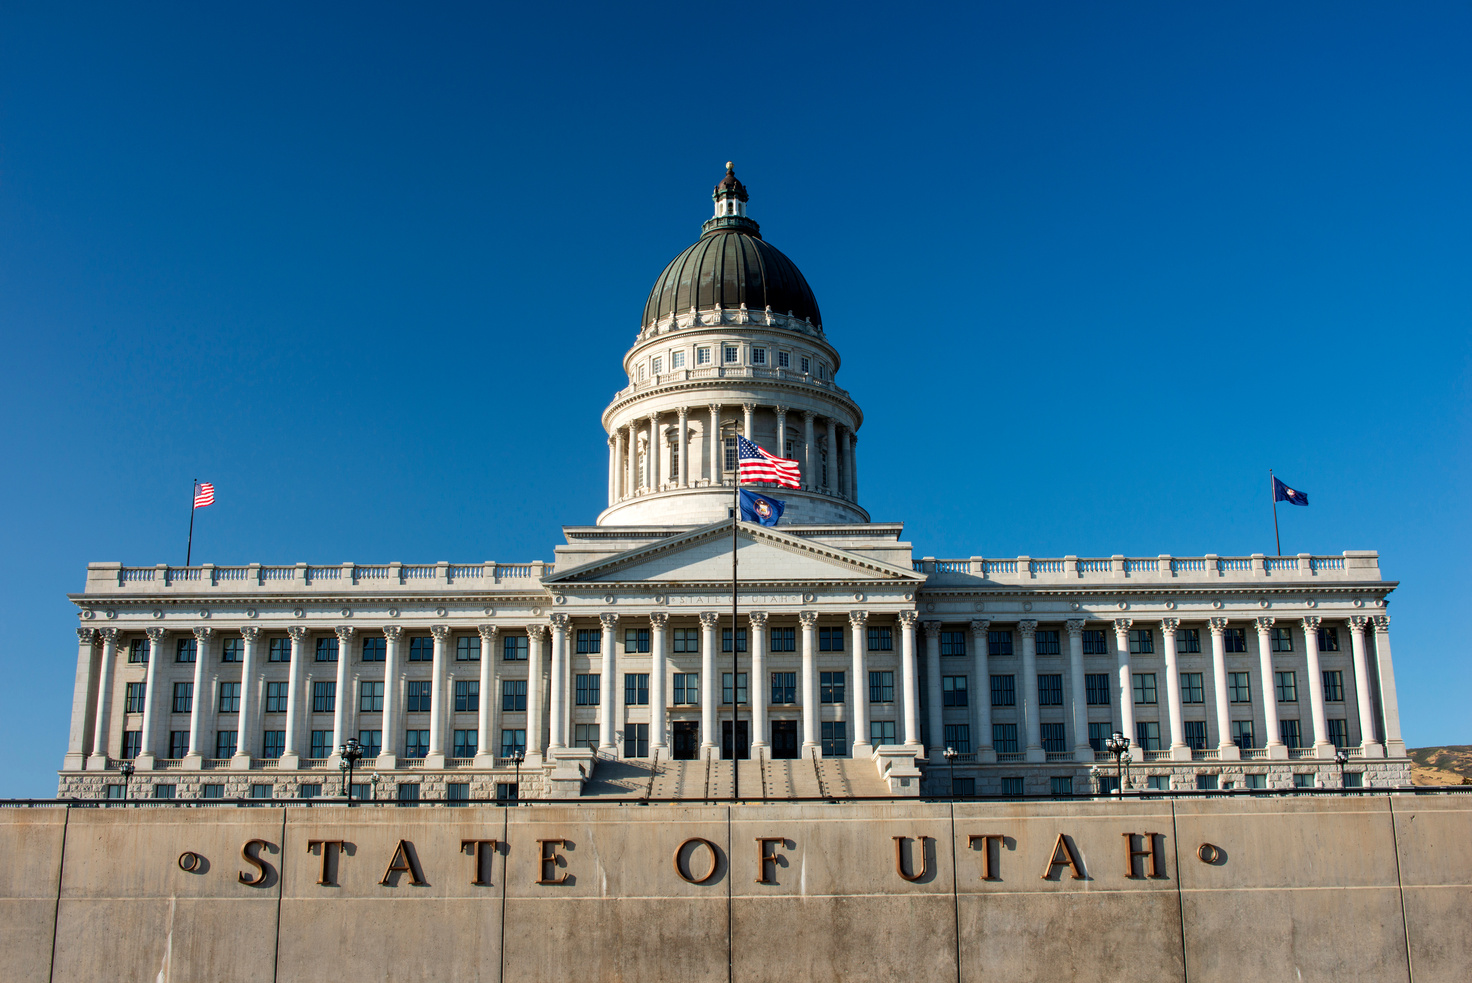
<point x="755" y="464"/>
<point x="204" y="494"/>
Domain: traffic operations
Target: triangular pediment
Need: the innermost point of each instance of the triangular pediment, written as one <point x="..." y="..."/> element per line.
<point x="764" y="555"/>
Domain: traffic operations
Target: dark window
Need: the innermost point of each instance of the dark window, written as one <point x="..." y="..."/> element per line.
<point x="741" y="694"/>
<point x="421" y="649"/>
<point x="275" y="743"/>
<point x="408" y="793"/>
<point x="831" y="687"/>
<point x="999" y="643"/>
<point x="881" y="732"/>
<point x="178" y="743"/>
<point x="1339" y="732"/>
<point x="784" y="640"/>
<point x="163" y="791"/>
<point x="321" y="743"/>
<point x="327" y="649"/>
<point x="1239" y="687"/>
<point x="467" y="649"/>
<point x="513" y="740"/>
<point x="1235" y="640"/>
<point x="374" y="649"/>
<point x="726" y="640"/>
<point x="585" y="735"/>
<point x="1004" y="693"/>
<point x="183" y="697"/>
<point x="229" y="697"/>
<point x="1141" y="641"/>
<point x="1050" y="689"/>
<point x="1282" y="640"/>
<point x="467" y="742"/>
<point x="416" y="743"/>
<point x="419" y="698"/>
<point x="187" y="650"/>
<point x="953" y="691"/>
<point x="636" y="640"/>
<point x="1333" y="685"/>
<point x="963" y="788"/>
<point x="881" y="686"/>
<point x="232" y="650"/>
<point x="260" y="791"/>
<point x="687" y="688"/>
<point x="1099" y="734"/>
<point x="370" y="696"/>
<point x="467" y="698"/>
<point x="1328" y="639"/>
<point x="215" y="791"/>
<point x="1061" y="785"/>
<point x="1053" y="739"/>
<point x="830" y="639"/>
<point x="324" y="699"/>
<point x="276" y="695"/>
<point x="1094" y="642"/>
<point x="1287" y="687"/>
<point x="1191" y="688"/>
<point x="132" y="744"/>
<point x="636" y="689"/>
<point x="513" y="694"/>
<point x="590" y="641"/>
<point x="309" y="790"/>
<point x="953" y="643"/>
<point x="506" y="793"/>
<point x="1188" y="640"/>
<point x="134" y="697"/>
<point x="958" y="738"/>
<point x="1047" y="642"/>
<point x="460" y="791"/>
<point x="1195" y="734"/>
<point x="1147" y="735"/>
<point x="835" y="739"/>
<point x="513" y="648"/>
<point x="1242" y="734"/>
<point x="1004" y="739"/>
<point x="278" y="650"/>
<point x="372" y="741"/>
<point x="138" y="651"/>
<point x="1289" y="733"/>
<point x="1012" y="786"/>
<point x="1144" y="687"/>
<point x="784" y="688"/>
<point x="636" y="740"/>
<point x="587" y="687"/>
<point x="1096" y="689"/>
<point x="686" y="640"/>
<point x="881" y="639"/>
<point x="225" y="743"/>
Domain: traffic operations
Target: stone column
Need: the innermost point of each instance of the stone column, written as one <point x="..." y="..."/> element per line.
<point x="853" y="467"/>
<point x="147" y="738"/>
<point x="612" y="471"/>
<point x="809" y="459"/>
<point x="1179" y="750"/>
<point x="857" y="620"/>
<point x="1369" y="745"/>
<point x="1323" y="747"/>
<point x="831" y="485"/>
<point x="684" y="446"/>
<point x="781" y="449"/>
<point x="606" y="705"/>
<point x="618" y="466"/>
<point x="1126" y="685"/>
<point x="1269" y="689"/>
<point x="1227" y="749"/>
<point x="708" y="695"/>
<point x="245" y="720"/>
<point x="291" y="757"/>
<point x="1082" y="749"/>
<point x="535" y="634"/>
<point x="76" y="743"/>
<point x="713" y="442"/>
<point x="935" y="717"/>
<point x="486" y="711"/>
<point x="435" y="757"/>
<point x="909" y="693"/>
<point x="342" y="705"/>
<point x="558" y="729"/>
<point x="657" y="672"/>
<point x="194" y="757"/>
<point x="981" y="692"/>
<point x="844" y="468"/>
<point x="1395" y="747"/>
<point x="653" y="456"/>
<point x="810" y="706"/>
<point x="388" y="754"/>
<point x="748" y="410"/>
<point x="755" y="684"/>
<point x="1029" y="688"/>
<point x="109" y="638"/>
<point x="631" y="485"/>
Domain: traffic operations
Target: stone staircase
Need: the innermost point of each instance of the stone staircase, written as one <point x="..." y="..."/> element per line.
<point x="799" y="778"/>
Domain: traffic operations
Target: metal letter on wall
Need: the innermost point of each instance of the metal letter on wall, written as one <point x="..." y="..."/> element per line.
<point x="682" y="860"/>
<point x="550" y="858"/>
<point x="991" y="853"/>
<point x="1064" y="855"/>
<point x="263" y="869"/>
<point x="1153" y="848"/>
<point x="899" y="857"/>
<point x="768" y="860"/>
<point x="481" y="878"/>
<point x="404" y="860"/>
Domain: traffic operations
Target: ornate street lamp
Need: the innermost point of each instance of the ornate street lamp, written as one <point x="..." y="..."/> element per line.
<point x="349" y="754"/>
<point x="950" y="755"/>
<point x="375" y="780"/>
<point x="1118" y="746"/>
<point x="518" y="756"/>
<point x="1341" y="758"/>
<point x="1095" y="776"/>
<point x="126" y="770"/>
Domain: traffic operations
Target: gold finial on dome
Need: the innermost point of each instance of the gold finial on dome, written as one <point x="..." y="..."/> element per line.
<point x="730" y="167"/>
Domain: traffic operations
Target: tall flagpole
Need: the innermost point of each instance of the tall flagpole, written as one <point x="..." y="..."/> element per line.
<point x="735" y="646"/>
<point x="189" y="550"/>
<point x="1273" y="485"/>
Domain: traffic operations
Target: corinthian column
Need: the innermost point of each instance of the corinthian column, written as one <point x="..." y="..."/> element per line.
<point x="1369" y="745"/>
<point x="748" y="410"/>
<point x="606" y="712"/>
<point x="810" y="708"/>
<point x="342" y="706"/>
<point x="684" y="446"/>
<point x="618" y="466"/>
<point x="781" y="449"/>
<point x="245" y="742"/>
<point x="194" y="757"/>
<point x="1126" y="685"/>
<point x="535" y="717"/>
<point x="657" y="672"/>
<point x="1031" y="713"/>
<point x="435" y="758"/>
<point x="981" y="692"/>
<point x="756" y="689"/>
<point x="908" y="690"/>
<point x="612" y="470"/>
<point x="831" y="484"/>
<point x="1226" y="748"/>
<point x="1179" y="749"/>
<point x="1269" y="689"/>
<point x="1395" y="747"/>
<point x="1323" y="747"/>
<point x="559" y="684"/>
<point x="103" y="723"/>
<point x="631" y="485"/>
<point x="713" y="444"/>
<point x="148" y="738"/>
<point x="860" y="689"/>
<point x="291" y="757"/>
<point x="486" y="710"/>
<point x="853" y="467"/>
<point x="653" y="456"/>
<point x="808" y="458"/>
<point x="76" y="743"/>
<point x="1082" y="750"/>
<point x="708" y="694"/>
<point x="936" y="716"/>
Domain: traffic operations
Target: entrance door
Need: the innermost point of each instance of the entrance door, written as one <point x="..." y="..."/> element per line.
<point x="784" y="738"/>
<point x="687" y="740"/>
<point x="743" y="739"/>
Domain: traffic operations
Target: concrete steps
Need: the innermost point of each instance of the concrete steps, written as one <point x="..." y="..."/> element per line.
<point x="797" y="778"/>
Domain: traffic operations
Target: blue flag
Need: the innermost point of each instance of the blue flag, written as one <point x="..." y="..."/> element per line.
<point x="1282" y="493"/>
<point x="760" y="508"/>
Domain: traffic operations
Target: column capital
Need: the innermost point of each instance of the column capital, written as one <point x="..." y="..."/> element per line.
<point x="536" y="630"/>
<point x="1170" y="625"/>
<point x="715" y="409"/>
<point x="782" y="410"/>
<point x="392" y="632"/>
<point x="808" y="416"/>
<point x="1358" y="622"/>
<point x="858" y="618"/>
<point x="297" y="632"/>
<point x="1264" y="622"/>
<point x="1027" y="628"/>
<point x="108" y="635"/>
<point x="808" y="619"/>
<point x="440" y="632"/>
<point x="661" y="619"/>
<point x="1074" y="628"/>
<point x="87" y="636"/>
<point x="487" y="634"/>
<point x="683" y="412"/>
<point x="980" y="626"/>
<point x="1312" y="622"/>
<point x="758" y="619"/>
<point x="610" y="440"/>
<point x="932" y="628"/>
<point x="1382" y="622"/>
<point x="1122" y="625"/>
<point x="250" y="632"/>
<point x="654" y="418"/>
<point x="344" y="636"/>
<point x="907" y="619"/>
<point x="1217" y="625"/>
<point x="609" y="620"/>
<point x="748" y="408"/>
<point x="202" y="633"/>
<point x="559" y="622"/>
<point x="155" y="634"/>
<point x="708" y="619"/>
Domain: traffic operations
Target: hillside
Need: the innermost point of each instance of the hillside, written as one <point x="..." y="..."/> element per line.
<point x="1450" y="765"/>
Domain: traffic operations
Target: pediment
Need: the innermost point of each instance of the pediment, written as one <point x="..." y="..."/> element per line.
<point x="764" y="555"/>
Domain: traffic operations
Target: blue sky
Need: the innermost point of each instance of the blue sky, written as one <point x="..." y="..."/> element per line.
<point x="371" y="270"/>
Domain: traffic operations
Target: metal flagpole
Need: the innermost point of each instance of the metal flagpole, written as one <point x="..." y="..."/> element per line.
<point x="189" y="550"/>
<point x="1273" y="486"/>
<point x="735" y="646"/>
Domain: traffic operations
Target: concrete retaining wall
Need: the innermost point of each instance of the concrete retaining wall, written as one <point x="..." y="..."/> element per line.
<point x="1325" y="888"/>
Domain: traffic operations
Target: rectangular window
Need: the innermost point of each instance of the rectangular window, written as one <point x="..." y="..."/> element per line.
<point x="1282" y="640"/>
<point x="225" y="743"/>
<point x="1239" y="687"/>
<point x="726" y="639"/>
<point x="730" y="455"/>
<point x="831" y="687"/>
<point x="1191" y="689"/>
<point x="1094" y="642"/>
<point x="456" y="792"/>
<point x="215" y="791"/>
<point x="999" y="643"/>
<point x="953" y="643"/>
<point x="636" y="689"/>
<point x="1144" y="687"/>
<point x="416" y="743"/>
<point x="506" y="793"/>
<point x="784" y="360"/>
<point x="784" y="688"/>
<point x="276" y="694"/>
<point x="1354" y="779"/>
<point x="958" y="738"/>
<point x="513" y="648"/>
<point x="1147" y="735"/>
<point x="830" y="639"/>
<point x="408" y="793"/>
<point x="421" y="648"/>
<point x="805" y="365"/>
<point x="278" y="650"/>
<point x="370" y="696"/>
<point x="114" y="791"/>
<point x="1012" y="786"/>
<point x="372" y="741"/>
<point x="656" y="365"/>
<point x="1195" y="734"/>
<point x="163" y="791"/>
<point x="513" y="742"/>
<point x="419" y="697"/>
<point x="835" y="739"/>
<point x="677" y="360"/>
<point x="881" y="639"/>
<point x="309" y="790"/>
<point x="784" y="640"/>
<point x="183" y="697"/>
<point x="1206" y="783"/>
<point x="467" y="743"/>
<point x="953" y="691"/>
<point x="1050" y="689"/>
<point x="229" y="697"/>
<point x="585" y="735"/>
<point x="467" y="648"/>
<point x="1235" y="640"/>
<point x="1188" y="640"/>
<point x="1096" y="689"/>
<point x="513" y="695"/>
<point x="758" y="356"/>
<point x="702" y="356"/>
<point x="132" y="744"/>
<point x="321" y="743"/>
<point x="881" y="686"/>
<point x="324" y="699"/>
<point x="274" y="743"/>
<point x="1004" y="693"/>
<point x="1242" y="734"/>
<point x="687" y="688"/>
<point x="374" y="649"/>
<point x="1328" y="639"/>
<point x="138" y="651"/>
<point x="1287" y="686"/>
<point x="1099" y="734"/>
<point x="1053" y="738"/>
<point x="586" y="689"/>
<point x="881" y="732"/>
<point x="134" y="696"/>
<point x="636" y="740"/>
<point x="467" y="698"/>
<point x="1254" y="781"/>
<point x="1333" y="685"/>
<point x="186" y="650"/>
<point x="1289" y="733"/>
<point x="590" y="641"/>
<point x="1339" y="732"/>
<point x="327" y="649"/>
<point x="730" y="353"/>
<point x="1004" y="739"/>
<point x="1061" y="785"/>
<point x="1141" y="641"/>
<point x="1303" y="780"/>
<point x="232" y="650"/>
<point x="178" y="743"/>
<point x="686" y="640"/>
<point x="741" y="695"/>
<point x="1046" y="642"/>
<point x="636" y="641"/>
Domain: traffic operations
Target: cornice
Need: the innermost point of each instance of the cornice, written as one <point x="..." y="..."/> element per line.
<point x="833" y="394"/>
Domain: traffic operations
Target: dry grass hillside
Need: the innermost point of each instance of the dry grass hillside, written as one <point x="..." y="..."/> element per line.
<point x="1450" y="765"/>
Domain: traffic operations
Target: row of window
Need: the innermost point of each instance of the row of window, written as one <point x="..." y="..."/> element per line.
<point x="407" y="793"/>
<point x="730" y="354"/>
<point x="1290" y="732"/>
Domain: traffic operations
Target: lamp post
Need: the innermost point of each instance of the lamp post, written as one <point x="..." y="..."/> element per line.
<point x="1341" y="758"/>
<point x="126" y="770"/>
<point x="375" y="780"/>
<point x="950" y="754"/>
<point x="1094" y="776"/>
<point x="349" y="754"/>
<point x="1119" y="747"/>
<point x="517" y="757"/>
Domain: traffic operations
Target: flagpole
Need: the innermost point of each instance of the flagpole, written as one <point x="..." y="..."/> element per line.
<point x="189" y="549"/>
<point x="1273" y="487"/>
<point x="735" y="647"/>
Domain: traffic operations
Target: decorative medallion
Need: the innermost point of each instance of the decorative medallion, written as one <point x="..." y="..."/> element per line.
<point x="1075" y="605"/>
<point x="809" y="597"/>
<point x="489" y="610"/>
<point x="393" y="612"/>
<point x="1217" y="604"/>
<point x="659" y="598"/>
<point x="250" y="612"/>
<point x="929" y="605"/>
<point x="1379" y="603"/>
<point x="980" y="605"/>
<point x="347" y="612"/>
<point x="858" y="595"/>
<point x="110" y="614"/>
<point x="1264" y="603"/>
<point x="1124" y="605"/>
<point x="559" y="598"/>
<point x="298" y="613"/>
<point x="536" y="612"/>
<point x="1311" y="603"/>
<point x="1027" y="605"/>
<point x="1170" y="605"/>
<point x="158" y="613"/>
<point x="439" y="612"/>
<point x="1357" y="603"/>
<point x="204" y="613"/>
<point x="89" y="614"/>
<point x="608" y="599"/>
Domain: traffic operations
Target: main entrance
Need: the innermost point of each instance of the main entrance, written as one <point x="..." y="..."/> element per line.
<point x="784" y="738"/>
<point x="743" y="739"/>
<point x="687" y="740"/>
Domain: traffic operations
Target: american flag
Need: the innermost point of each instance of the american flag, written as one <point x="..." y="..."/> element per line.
<point x="204" y="494"/>
<point x="755" y="464"/>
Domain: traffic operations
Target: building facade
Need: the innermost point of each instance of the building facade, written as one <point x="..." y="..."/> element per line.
<point x="490" y="680"/>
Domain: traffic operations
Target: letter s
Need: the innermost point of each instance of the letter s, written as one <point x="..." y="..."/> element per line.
<point x="263" y="869"/>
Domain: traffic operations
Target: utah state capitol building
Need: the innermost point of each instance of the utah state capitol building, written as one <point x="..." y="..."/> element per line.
<point x="607" y="673"/>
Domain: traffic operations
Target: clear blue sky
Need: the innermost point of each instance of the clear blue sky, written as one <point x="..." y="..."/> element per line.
<point x="1094" y="268"/>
